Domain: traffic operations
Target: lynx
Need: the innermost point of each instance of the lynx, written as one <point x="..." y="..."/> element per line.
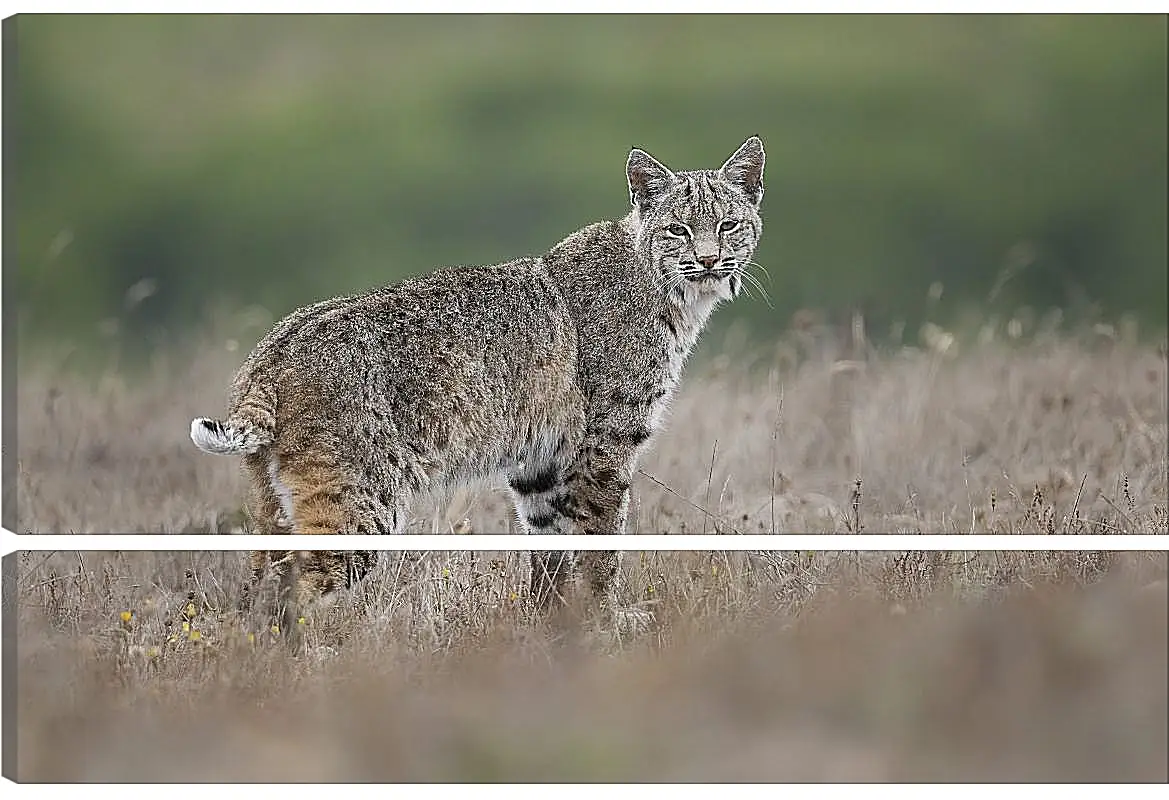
<point x="552" y="372"/>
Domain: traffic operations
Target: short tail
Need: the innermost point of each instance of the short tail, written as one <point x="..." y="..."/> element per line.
<point x="233" y="437"/>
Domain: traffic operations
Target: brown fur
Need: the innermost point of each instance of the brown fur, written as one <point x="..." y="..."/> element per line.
<point x="551" y="372"/>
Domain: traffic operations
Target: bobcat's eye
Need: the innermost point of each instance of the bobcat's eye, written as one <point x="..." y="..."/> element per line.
<point x="727" y="225"/>
<point x="676" y="229"/>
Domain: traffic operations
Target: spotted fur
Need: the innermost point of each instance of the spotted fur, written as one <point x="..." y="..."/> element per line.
<point x="553" y="373"/>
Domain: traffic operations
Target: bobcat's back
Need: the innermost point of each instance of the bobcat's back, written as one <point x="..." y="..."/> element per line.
<point x="455" y="372"/>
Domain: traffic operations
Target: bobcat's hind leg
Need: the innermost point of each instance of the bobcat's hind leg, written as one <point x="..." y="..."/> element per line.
<point x="292" y="496"/>
<point x="270" y="517"/>
<point x="324" y="501"/>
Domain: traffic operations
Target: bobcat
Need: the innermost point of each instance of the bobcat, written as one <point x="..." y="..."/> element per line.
<point x="552" y="371"/>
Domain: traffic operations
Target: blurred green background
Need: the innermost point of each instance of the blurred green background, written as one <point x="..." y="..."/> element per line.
<point x="171" y="165"/>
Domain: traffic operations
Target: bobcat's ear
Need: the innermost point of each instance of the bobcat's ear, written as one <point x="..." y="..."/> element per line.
<point x="648" y="178"/>
<point x="745" y="169"/>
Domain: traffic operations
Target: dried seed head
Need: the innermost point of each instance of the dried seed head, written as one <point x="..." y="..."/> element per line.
<point x="1049" y="519"/>
<point x="855" y="525"/>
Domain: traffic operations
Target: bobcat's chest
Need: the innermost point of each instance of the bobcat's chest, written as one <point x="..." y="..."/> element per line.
<point x="681" y="321"/>
<point x="678" y="330"/>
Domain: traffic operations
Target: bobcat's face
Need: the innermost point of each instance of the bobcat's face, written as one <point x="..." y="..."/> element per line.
<point x="699" y="228"/>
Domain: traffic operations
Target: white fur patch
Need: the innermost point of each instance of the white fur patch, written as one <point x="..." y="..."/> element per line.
<point x="212" y="436"/>
<point x="222" y="439"/>
<point x="283" y="493"/>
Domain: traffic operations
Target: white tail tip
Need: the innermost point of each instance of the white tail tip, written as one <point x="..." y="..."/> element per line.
<point x="218" y="438"/>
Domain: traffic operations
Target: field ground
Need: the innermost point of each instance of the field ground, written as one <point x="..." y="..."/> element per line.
<point x="764" y="666"/>
<point x="1057" y="433"/>
<point x="777" y="666"/>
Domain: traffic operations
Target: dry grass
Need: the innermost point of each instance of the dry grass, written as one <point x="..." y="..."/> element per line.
<point x="766" y="666"/>
<point x="1056" y="434"/>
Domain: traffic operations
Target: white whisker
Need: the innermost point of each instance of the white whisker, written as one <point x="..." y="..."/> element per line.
<point x="761" y="268"/>
<point x="762" y="291"/>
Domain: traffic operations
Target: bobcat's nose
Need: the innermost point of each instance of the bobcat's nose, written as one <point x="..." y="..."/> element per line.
<point x="708" y="261"/>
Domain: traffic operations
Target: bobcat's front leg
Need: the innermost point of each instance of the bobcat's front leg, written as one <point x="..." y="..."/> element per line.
<point x="589" y="495"/>
<point x="599" y="484"/>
